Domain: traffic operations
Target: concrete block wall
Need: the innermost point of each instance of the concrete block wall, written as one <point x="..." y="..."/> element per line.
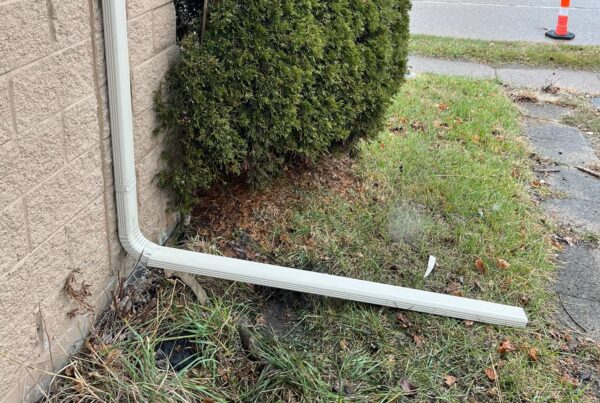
<point x="57" y="209"/>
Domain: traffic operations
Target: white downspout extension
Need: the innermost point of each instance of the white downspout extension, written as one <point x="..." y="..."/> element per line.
<point x="151" y="254"/>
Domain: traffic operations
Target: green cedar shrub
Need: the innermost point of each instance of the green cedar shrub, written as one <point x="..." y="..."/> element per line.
<point x="274" y="81"/>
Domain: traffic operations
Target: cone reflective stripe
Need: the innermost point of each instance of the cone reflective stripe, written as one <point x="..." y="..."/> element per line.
<point x="562" y="31"/>
<point x="563" y="18"/>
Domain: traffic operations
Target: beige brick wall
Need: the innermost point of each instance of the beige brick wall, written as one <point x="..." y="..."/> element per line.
<point x="57" y="209"/>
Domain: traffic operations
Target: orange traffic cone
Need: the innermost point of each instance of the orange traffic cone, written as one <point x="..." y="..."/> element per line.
<point x="561" y="31"/>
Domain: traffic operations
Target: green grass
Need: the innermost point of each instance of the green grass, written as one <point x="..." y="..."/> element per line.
<point x="576" y="57"/>
<point x="447" y="178"/>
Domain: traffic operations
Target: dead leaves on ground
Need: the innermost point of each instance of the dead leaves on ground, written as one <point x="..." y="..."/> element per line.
<point x="506" y="347"/>
<point x="449" y="380"/>
<point x="78" y="293"/>
<point x="480" y="266"/>
<point x="491" y="373"/>
<point x="418" y="340"/>
<point x="403" y="320"/>
<point x="405" y="323"/>
<point x="223" y="211"/>
<point x="454" y="288"/>
<point x="533" y="354"/>
<point x="442" y="106"/>
<point x="502" y="264"/>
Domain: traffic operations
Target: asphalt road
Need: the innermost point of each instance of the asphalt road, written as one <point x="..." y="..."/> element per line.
<point x="513" y="20"/>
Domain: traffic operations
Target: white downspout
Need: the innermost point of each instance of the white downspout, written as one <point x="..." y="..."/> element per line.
<point x="130" y="235"/>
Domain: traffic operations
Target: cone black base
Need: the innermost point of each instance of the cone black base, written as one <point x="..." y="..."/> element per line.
<point x="566" y="37"/>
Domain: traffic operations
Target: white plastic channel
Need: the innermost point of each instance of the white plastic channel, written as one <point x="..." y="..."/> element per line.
<point x="121" y="120"/>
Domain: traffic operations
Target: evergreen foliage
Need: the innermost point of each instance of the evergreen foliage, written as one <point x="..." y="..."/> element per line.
<point x="276" y="80"/>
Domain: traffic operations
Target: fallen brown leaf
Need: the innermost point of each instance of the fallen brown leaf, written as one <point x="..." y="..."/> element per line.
<point x="502" y="264"/>
<point x="536" y="184"/>
<point x="506" y="347"/>
<point x="480" y="265"/>
<point x="454" y="288"/>
<point x="468" y="323"/>
<point x="408" y="387"/>
<point x="403" y="320"/>
<point x="533" y="353"/>
<point x="491" y="373"/>
<point x="78" y="294"/>
<point x="554" y="242"/>
<point x="442" y="106"/>
<point x="449" y="380"/>
<point x="418" y="340"/>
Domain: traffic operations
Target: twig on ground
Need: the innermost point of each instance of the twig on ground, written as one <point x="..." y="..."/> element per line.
<point x="546" y="170"/>
<point x="569" y="313"/>
<point x="589" y="171"/>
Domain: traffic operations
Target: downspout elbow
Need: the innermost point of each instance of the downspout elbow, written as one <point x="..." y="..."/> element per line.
<point x="130" y="234"/>
<point x="138" y="246"/>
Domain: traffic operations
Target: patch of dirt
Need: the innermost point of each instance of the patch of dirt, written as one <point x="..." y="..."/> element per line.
<point x="279" y="312"/>
<point x="239" y="218"/>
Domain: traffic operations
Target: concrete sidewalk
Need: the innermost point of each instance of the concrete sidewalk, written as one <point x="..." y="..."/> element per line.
<point x="510" y="20"/>
<point x="575" y="206"/>
<point x="518" y="76"/>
